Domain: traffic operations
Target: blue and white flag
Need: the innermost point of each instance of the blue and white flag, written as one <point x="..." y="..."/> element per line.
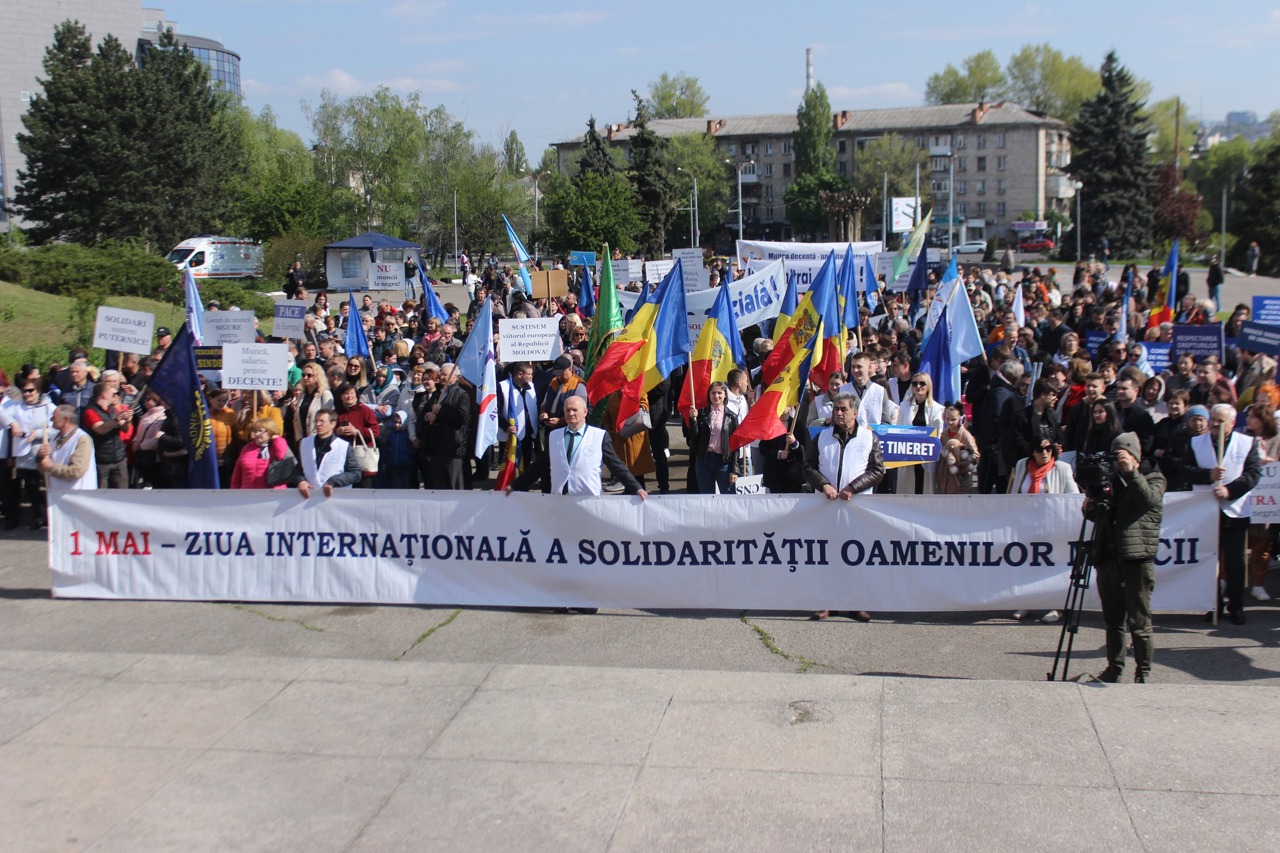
<point x="476" y="363"/>
<point x="195" y="307"/>
<point x="357" y="342"/>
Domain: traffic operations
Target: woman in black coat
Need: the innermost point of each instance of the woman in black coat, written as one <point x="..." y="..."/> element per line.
<point x="715" y="464"/>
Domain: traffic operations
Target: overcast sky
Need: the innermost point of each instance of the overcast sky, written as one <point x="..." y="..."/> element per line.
<point x="543" y="68"/>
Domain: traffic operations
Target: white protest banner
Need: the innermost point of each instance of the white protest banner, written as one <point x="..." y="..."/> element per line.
<point x="523" y="339"/>
<point x="386" y="275"/>
<point x="754" y="298"/>
<point x="766" y="250"/>
<point x="290" y="319"/>
<point x="227" y="327"/>
<point x="635" y="270"/>
<point x="805" y="271"/>
<point x="255" y="367"/>
<point x="656" y="271"/>
<point x="1264" y="500"/>
<point x="123" y="331"/>
<point x="696" y="275"/>
<point x="622" y="273"/>
<point x="770" y="552"/>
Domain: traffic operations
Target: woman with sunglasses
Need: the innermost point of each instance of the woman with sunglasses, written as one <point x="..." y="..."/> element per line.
<point x="1042" y="473"/>
<point x="918" y="408"/>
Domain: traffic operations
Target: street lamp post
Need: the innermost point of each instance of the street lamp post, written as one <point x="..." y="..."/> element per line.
<point x="1079" y="222"/>
<point x="536" y="248"/>
<point x="739" y="170"/>
<point x="695" y="223"/>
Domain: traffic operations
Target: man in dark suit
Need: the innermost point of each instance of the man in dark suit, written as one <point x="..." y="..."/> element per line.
<point x="447" y="416"/>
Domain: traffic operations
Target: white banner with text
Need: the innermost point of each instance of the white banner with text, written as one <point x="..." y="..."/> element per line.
<point x="769" y="552"/>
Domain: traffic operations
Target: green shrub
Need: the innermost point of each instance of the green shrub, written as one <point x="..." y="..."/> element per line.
<point x="229" y="293"/>
<point x="119" y="269"/>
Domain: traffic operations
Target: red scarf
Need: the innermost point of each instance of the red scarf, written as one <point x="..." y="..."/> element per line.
<point x="1037" y="475"/>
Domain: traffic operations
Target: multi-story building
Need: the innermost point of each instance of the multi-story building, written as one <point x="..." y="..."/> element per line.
<point x="1007" y="161"/>
<point x="26" y="31"/>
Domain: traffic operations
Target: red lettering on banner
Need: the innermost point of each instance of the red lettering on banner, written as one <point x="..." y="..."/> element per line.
<point x="132" y="545"/>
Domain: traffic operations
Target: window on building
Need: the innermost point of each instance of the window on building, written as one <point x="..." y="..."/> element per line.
<point x="768" y="149"/>
<point x="982" y="208"/>
<point x="982" y="164"/>
<point x="786" y="147"/>
<point x="1002" y="187"/>
<point x="842" y="167"/>
<point x="748" y="149"/>
<point x="960" y="187"/>
<point x="920" y="142"/>
<point x="959" y="141"/>
<point x="842" y="145"/>
<point x="768" y="170"/>
<point x="938" y="164"/>
<point x="1002" y="209"/>
<point x="938" y="187"/>
<point x="786" y="170"/>
<point x="980" y="187"/>
<point x="768" y="214"/>
<point x="1002" y="163"/>
<point x="962" y="209"/>
<point x="353" y="264"/>
<point x="961" y="163"/>
<point x="982" y="140"/>
<point x="733" y="149"/>
<point x="1000" y="139"/>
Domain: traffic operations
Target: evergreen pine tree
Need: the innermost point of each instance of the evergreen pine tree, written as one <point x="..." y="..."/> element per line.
<point x="595" y="159"/>
<point x="812" y="142"/>
<point x="1109" y="156"/>
<point x="654" y="187"/>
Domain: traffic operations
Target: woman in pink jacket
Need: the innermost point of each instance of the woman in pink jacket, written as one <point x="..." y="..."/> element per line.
<point x="266" y="446"/>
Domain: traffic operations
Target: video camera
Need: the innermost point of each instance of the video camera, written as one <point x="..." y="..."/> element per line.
<point x="1094" y="473"/>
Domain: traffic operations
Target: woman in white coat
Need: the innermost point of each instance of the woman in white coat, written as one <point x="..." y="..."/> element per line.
<point x="918" y="408"/>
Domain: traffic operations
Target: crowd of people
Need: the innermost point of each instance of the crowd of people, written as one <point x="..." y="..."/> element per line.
<point x="405" y="418"/>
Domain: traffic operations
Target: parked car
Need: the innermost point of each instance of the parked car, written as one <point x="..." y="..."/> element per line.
<point x="218" y="257"/>
<point x="1036" y="244"/>
<point x="971" y="248"/>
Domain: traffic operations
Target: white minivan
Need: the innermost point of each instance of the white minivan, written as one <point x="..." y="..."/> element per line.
<point x="218" y="257"/>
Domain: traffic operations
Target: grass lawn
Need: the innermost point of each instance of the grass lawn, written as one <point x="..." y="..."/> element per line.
<point x="37" y="327"/>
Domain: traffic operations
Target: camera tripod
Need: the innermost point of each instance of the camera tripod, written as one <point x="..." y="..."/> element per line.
<point x="1081" y="572"/>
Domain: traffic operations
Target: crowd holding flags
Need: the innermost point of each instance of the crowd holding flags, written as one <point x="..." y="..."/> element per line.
<point x="654" y="342"/>
<point x="817" y="309"/>
<point x="1165" y="299"/>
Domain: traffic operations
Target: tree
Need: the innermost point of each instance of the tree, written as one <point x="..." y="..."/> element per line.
<point x="812" y="142"/>
<point x="115" y="151"/>
<point x="690" y="156"/>
<point x="1257" y="218"/>
<point x="653" y="184"/>
<point x="891" y="155"/>
<point x="680" y="96"/>
<point x="1176" y="209"/>
<point x="980" y="80"/>
<point x="1173" y="133"/>
<point x="1109" y="156"/>
<point x="513" y="159"/>
<point x="1042" y="79"/>
<point x="595" y="159"/>
<point x="1219" y="171"/>
<point x="590" y="210"/>
<point x="803" y="198"/>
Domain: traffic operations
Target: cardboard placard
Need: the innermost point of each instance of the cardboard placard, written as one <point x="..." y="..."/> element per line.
<point x="290" y="321"/>
<point x="548" y="284"/>
<point x="255" y="367"/>
<point x="227" y="327"/>
<point x="524" y="339"/>
<point x="123" y="330"/>
<point x="656" y="271"/>
<point x="696" y="276"/>
<point x="386" y="275"/>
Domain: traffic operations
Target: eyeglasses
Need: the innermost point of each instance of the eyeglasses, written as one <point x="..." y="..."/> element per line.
<point x="915" y="384"/>
<point x="1045" y="449"/>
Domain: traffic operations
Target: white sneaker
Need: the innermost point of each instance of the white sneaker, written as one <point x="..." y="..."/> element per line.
<point x="1051" y="617"/>
<point x="1260" y="593"/>
<point x="1019" y="614"/>
<point x="613" y="486"/>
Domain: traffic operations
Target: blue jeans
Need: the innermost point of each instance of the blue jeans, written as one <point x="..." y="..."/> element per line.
<point x="713" y="470"/>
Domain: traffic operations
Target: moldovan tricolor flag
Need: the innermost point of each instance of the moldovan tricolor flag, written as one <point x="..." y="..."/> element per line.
<point x="719" y="350"/>
<point x="818" y="308"/>
<point x="764" y="420"/>
<point x="1166" y="295"/>
<point x="654" y="343"/>
<point x="787" y="309"/>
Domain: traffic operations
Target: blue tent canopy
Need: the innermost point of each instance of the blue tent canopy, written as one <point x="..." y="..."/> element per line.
<point x="373" y="240"/>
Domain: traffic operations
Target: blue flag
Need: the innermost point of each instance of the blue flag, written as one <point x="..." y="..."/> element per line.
<point x="522" y="255"/>
<point x="431" y="303"/>
<point x="872" y="286"/>
<point x="644" y="297"/>
<point x="936" y="360"/>
<point x="847" y="284"/>
<point x="475" y="352"/>
<point x="177" y="383"/>
<point x="357" y="342"/>
<point x="195" y="307"/>
<point x="587" y="297"/>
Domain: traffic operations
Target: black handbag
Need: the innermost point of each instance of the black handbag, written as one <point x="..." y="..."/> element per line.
<point x="283" y="470"/>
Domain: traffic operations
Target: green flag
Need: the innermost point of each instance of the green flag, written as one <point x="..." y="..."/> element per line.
<point x="902" y="260"/>
<point x="607" y="322"/>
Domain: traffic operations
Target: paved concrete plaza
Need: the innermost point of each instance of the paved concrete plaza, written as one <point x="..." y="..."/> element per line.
<point x="159" y="726"/>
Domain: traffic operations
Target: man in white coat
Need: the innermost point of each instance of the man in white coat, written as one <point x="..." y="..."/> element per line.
<point x="328" y="462"/>
<point x="67" y="458"/>
<point x="574" y="455"/>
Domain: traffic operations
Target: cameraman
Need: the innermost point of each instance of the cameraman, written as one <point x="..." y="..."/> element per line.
<point x="1126" y="536"/>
